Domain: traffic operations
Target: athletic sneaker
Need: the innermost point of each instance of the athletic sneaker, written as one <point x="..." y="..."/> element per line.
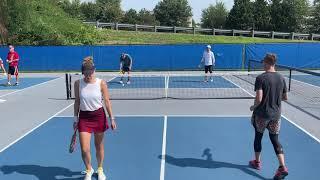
<point x="211" y="80"/>
<point x="128" y="82"/>
<point x="8" y="84"/>
<point x="88" y="174"/>
<point x="121" y="82"/>
<point x="16" y="84"/>
<point x="281" y="173"/>
<point x="255" y="164"/>
<point x="101" y="175"/>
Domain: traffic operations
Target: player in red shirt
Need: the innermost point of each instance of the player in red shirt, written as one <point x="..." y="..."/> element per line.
<point x="2" y="67"/>
<point x="13" y="60"/>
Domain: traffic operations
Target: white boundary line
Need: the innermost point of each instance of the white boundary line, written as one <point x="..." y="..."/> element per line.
<point x="164" y="146"/>
<point x="166" y="82"/>
<point x="238" y="86"/>
<point x="302" y="129"/>
<point x="308" y="84"/>
<point x="30" y="87"/>
<point x="174" y="115"/>
<point x="35" y="128"/>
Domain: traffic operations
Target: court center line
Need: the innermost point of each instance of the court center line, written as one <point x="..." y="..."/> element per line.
<point x="30" y="131"/>
<point x="29" y="87"/>
<point x="164" y="146"/>
<point x="238" y="86"/>
<point x="302" y="129"/>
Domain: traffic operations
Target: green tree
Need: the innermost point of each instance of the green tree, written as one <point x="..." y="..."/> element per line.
<point x="3" y="22"/>
<point x="241" y="15"/>
<point x="146" y="17"/>
<point x="42" y="22"/>
<point x="173" y="12"/>
<point x="315" y="17"/>
<point x="90" y="11"/>
<point x="262" y="16"/>
<point x="214" y="16"/>
<point x="289" y="15"/>
<point x="72" y="7"/>
<point x="110" y="10"/>
<point x="131" y="17"/>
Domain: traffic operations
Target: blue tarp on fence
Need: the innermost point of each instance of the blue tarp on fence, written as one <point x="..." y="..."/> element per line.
<point x="300" y="55"/>
<point x="162" y="57"/>
<point x="145" y="57"/>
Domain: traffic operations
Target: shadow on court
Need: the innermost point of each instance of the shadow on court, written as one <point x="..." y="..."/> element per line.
<point x="42" y="173"/>
<point x="209" y="163"/>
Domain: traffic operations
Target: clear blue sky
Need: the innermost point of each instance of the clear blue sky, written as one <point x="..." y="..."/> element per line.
<point x="197" y="5"/>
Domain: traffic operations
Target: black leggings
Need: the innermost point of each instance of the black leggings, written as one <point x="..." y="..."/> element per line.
<point x="274" y="140"/>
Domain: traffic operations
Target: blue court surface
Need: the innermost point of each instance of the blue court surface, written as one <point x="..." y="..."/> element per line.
<point x="174" y="82"/>
<point x="195" y="148"/>
<point x="310" y="79"/>
<point x="138" y="82"/>
<point x="198" y="82"/>
<point x="23" y="82"/>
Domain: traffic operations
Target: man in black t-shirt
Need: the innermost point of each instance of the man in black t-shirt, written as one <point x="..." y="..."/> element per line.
<point x="125" y="66"/>
<point x="270" y="90"/>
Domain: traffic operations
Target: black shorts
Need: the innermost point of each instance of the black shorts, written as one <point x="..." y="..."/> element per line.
<point x="125" y="69"/>
<point x="208" y="69"/>
<point x="13" y="70"/>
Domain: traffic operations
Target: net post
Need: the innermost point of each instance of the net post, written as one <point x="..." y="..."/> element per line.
<point x="67" y="86"/>
<point x="290" y="77"/>
<point x="70" y="93"/>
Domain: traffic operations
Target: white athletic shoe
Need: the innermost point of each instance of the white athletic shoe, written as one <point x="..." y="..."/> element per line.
<point x="88" y="174"/>
<point x="211" y="80"/>
<point x="101" y="175"/>
<point x="121" y="82"/>
<point x="16" y="84"/>
<point x="8" y="84"/>
<point x="128" y="82"/>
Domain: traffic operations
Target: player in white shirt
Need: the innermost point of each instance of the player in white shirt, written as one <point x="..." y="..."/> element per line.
<point x="208" y="60"/>
<point x="2" y="67"/>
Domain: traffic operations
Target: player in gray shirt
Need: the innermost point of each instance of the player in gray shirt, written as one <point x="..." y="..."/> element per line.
<point x="270" y="90"/>
<point x="125" y="66"/>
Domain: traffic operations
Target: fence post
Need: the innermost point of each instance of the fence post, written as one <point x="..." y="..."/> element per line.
<point x="194" y="30"/>
<point x="116" y="26"/>
<point x="312" y="36"/>
<point x="213" y="31"/>
<point x="136" y="27"/>
<point x="174" y="29"/>
<point x="252" y="33"/>
<point x="272" y="34"/>
<point x="233" y="32"/>
<point x="155" y="28"/>
<point x="97" y="24"/>
<point x="292" y="36"/>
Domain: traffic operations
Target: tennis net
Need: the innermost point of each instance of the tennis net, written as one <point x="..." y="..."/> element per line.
<point x="160" y="85"/>
<point x="303" y="86"/>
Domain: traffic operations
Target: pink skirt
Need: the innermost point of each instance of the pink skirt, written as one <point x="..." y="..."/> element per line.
<point x="93" y="121"/>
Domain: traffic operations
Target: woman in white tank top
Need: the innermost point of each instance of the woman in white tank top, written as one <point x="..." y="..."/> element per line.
<point x="90" y="117"/>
